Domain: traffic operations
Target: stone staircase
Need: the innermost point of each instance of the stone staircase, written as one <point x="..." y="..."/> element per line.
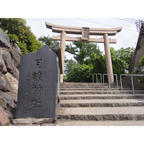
<point x="96" y="104"/>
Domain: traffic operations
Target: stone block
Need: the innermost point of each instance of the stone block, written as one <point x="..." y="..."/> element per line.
<point x="15" y="55"/>
<point x="9" y="62"/>
<point x="14" y="84"/>
<point x="4" y="39"/>
<point x="3" y="68"/>
<point x="4" y="120"/>
<point x="4" y="84"/>
<point x="34" y="121"/>
<point x="37" y="85"/>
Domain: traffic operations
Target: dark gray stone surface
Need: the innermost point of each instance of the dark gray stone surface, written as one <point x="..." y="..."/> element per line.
<point x="4" y="39"/>
<point x="37" y="85"/>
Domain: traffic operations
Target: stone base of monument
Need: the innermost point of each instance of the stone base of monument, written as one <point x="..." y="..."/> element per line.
<point x="34" y="121"/>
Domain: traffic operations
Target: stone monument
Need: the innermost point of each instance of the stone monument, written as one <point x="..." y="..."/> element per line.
<point x="37" y="85"/>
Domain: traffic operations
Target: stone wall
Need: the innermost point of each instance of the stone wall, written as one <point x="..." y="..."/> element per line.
<point x="9" y="75"/>
<point x="139" y="51"/>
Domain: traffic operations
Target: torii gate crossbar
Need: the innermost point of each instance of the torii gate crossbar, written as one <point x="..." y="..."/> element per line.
<point x="86" y="32"/>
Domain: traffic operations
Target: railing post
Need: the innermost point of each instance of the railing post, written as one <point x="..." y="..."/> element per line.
<point x="96" y="78"/>
<point x="116" y="80"/>
<point x="121" y="82"/>
<point x="93" y="78"/>
<point x="132" y="83"/>
<point x="109" y="83"/>
<point x="0" y="76"/>
<point x="101" y="78"/>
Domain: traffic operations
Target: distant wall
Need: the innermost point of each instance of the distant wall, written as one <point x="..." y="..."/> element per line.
<point x="139" y="52"/>
<point x="9" y="75"/>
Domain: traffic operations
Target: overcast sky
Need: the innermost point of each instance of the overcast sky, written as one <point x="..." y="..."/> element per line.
<point x="127" y="37"/>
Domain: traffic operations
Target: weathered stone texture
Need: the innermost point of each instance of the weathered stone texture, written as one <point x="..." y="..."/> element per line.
<point x="13" y="82"/>
<point x="15" y="53"/>
<point x="4" y="84"/>
<point x="3" y="68"/>
<point x="37" y="85"/>
<point x="9" y="75"/>
<point x="4" y="120"/>
<point x="35" y="121"/>
<point x="4" y="39"/>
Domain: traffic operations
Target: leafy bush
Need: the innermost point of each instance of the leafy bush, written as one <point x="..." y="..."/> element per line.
<point x="13" y="38"/>
<point x="80" y="73"/>
<point x="20" y="33"/>
<point x="141" y="61"/>
<point x="89" y="59"/>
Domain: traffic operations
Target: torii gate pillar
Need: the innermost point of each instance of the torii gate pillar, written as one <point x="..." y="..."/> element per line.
<point x="86" y="32"/>
<point x="63" y="33"/>
<point x="108" y="60"/>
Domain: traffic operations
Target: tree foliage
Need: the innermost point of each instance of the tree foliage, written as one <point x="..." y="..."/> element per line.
<point x="88" y="59"/>
<point x="121" y="59"/>
<point x="141" y="64"/>
<point x="49" y="42"/>
<point x="83" y="51"/>
<point x="141" y="61"/>
<point x="20" y="33"/>
<point x="80" y="73"/>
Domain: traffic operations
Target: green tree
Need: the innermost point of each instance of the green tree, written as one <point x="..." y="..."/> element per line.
<point x="121" y="59"/>
<point x="20" y="33"/>
<point x="141" y="61"/>
<point x="49" y="42"/>
<point x="83" y="51"/>
<point x="88" y="57"/>
<point x="141" y="64"/>
<point x="69" y="65"/>
<point x="80" y="73"/>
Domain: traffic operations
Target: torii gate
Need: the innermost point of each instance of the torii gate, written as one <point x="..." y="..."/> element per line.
<point x="86" y="32"/>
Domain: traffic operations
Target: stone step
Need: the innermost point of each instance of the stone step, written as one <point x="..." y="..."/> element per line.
<point x="96" y="104"/>
<point x="34" y="121"/>
<point x="102" y="96"/>
<point x="102" y="110"/>
<point x="100" y="92"/>
<point x="99" y="123"/>
<point x="83" y="85"/>
<point x="89" y="89"/>
<point x="102" y="113"/>
<point x="102" y="103"/>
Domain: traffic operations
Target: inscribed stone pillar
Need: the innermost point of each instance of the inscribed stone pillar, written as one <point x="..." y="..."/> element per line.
<point x="108" y="60"/>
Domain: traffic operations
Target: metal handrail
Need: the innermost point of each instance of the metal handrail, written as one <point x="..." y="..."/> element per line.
<point x="102" y="79"/>
<point x="96" y="74"/>
<point x="132" y="82"/>
<point x="113" y="75"/>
